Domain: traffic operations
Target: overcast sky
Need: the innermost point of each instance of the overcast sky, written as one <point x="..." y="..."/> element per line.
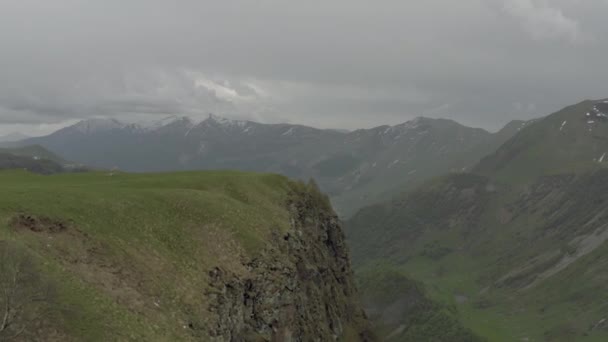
<point x="331" y="63"/>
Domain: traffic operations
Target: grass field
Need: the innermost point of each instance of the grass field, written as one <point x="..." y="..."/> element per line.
<point x="127" y="253"/>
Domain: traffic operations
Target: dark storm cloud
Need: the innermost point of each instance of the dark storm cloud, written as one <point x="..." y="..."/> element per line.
<point x="341" y="63"/>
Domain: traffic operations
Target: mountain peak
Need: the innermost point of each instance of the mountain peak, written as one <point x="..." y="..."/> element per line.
<point x="224" y="122"/>
<point x="414" y="124"/>
<point x="164" y="122"/>
<point x="97" y="125"/>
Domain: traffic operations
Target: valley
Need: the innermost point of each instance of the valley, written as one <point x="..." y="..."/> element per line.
<point x="517" y="246"/>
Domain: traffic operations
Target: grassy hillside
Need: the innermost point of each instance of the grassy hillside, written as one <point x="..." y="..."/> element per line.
<point x="516" y="264"/>
<point x="140" y="257"/>
<point x="403" y="310"/>
<point x="519" y="249"/>
<point x="571" y="140"/>
<point x="33" y="151"/>
<point x="10" y="161"/>
<point x="37" y="159"/>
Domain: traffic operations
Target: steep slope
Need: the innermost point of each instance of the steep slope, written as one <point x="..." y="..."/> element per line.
<point x="395" y="159"/>
<point x="573" y="139"/>
<point x="519" y="248"/>
<point x="403" y="311"/>
<point x="214" y="256"/>
<point x="355" y="168"/>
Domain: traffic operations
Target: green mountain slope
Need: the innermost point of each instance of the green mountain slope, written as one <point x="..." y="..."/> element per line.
<point x="520" y="247"/>
<point x="396" y="159"/>
<point x="33" y="151"/>
<point x="20" y="158"/>
<point x="10" y="161"/>
<point x="573" y="139"/>
<point x="36" y="159"/>
<point x="172" y="257"/>
<point x="403" y="310"/>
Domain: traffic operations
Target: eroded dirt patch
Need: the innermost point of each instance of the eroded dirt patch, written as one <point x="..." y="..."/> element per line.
<point x="38" y="224"/>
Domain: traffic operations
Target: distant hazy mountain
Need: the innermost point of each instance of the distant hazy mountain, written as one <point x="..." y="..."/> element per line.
<point x="36" y="159"/>
<point x="355" y="168"/>
<point x="519" y="246"/>
<point x="32" y="158"/>
<point x="391" y="159"/>
<point x="12" y="137"/>
<point x="35" y="152"/>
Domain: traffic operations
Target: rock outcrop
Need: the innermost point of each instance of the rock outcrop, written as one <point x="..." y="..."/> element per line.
<point x="300" y="289"/>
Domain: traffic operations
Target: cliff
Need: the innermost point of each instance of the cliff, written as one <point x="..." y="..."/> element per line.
<point x="212" y="256"/>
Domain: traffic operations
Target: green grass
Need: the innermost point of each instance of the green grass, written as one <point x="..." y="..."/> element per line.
<point x="135" y="241"/>
<point x="405" y="310"/>
<point x="508" y="316"/>
<point x="432" y="236"/>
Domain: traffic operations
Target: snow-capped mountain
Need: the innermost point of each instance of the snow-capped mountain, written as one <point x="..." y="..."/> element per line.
<point x="96" y="125"/>
<point x="355" y="168"/>
<point x="169" y="121"/>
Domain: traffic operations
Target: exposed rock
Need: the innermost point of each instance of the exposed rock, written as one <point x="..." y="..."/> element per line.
<point x="300" y="289"/>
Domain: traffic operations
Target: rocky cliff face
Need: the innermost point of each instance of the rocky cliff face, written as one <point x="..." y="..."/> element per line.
<point x="300" y="289"/>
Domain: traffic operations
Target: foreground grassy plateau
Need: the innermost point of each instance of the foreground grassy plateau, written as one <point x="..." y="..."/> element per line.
<point x="167" y="257"/>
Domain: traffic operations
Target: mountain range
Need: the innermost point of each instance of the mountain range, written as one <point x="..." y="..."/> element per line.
<point x="470" y="235"/>
<point x="517" y="247"/>
<point x="355" y="168"/>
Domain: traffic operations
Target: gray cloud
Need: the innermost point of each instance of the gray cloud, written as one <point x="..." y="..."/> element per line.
<point x="342" y="63"/>
<point x="542" y="21"/>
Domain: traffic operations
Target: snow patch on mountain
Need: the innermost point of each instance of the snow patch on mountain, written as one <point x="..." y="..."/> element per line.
<point x="150" y="126"/>
<point x="289" y="132"/>
<point x="395" y="162"/>
<point x="225" y="122"/>
<point x="97" y="125"/>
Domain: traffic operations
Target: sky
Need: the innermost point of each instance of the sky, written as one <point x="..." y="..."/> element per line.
<point x="332" y="64"/>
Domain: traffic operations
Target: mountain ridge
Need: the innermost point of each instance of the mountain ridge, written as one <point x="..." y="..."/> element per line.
<point x="355" y="168"/>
